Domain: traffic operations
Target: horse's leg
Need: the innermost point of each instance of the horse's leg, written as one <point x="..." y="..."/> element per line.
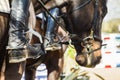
<point x="54" y="65"/>
<point x="30" y="70"/>
<point x="3" y="42"/>
<point x="30" y="73"/>
<point x="55" y="62"/>
<point x="14" y="71"/>
<point x="3" y="66"/>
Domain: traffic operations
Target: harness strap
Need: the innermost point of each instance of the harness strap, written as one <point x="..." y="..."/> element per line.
<point x="96" y="49"/>
<point x="95" y="20"/>
<point x="84" y="4"/>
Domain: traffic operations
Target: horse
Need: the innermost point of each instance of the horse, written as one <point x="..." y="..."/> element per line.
<point x="84" y="33"/>
<point x="53" y="59"/>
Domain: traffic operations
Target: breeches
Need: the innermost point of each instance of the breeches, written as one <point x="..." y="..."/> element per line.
<point x="20" y="10"/>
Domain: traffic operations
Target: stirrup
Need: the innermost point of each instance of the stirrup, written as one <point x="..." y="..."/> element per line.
<point x="35" y="51"/>
<point x="53" y="47"/>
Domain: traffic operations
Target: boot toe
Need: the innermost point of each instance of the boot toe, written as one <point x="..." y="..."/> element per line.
<point x="16" y="56"/>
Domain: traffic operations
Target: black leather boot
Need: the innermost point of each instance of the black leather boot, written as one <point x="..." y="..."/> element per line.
<point x="18" y="47"/>
<point x="49" y="42"/>
<point x="16" y="43"/>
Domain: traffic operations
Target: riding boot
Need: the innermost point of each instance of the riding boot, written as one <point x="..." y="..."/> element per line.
<point x="49" y="42"/>
<point x="17" y="48"/>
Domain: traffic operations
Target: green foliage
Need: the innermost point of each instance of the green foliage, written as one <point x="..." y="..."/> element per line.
<point x="70" y="52"/>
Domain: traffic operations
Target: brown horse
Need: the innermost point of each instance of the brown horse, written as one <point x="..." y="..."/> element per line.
<point x="83" y="19"/>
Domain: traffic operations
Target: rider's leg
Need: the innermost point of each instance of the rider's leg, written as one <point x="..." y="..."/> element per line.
<point x="18" y="26"/>
<point x="50" y="31"/>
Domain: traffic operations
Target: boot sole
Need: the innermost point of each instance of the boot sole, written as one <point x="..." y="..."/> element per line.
<point x="52" y="48"/>
<point x="16" y="60"/>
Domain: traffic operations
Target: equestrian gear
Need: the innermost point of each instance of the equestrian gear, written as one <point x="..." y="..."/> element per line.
<point x="32" y="51"/>
<point x="50" y="31"/>
<point x="17" y="49"/>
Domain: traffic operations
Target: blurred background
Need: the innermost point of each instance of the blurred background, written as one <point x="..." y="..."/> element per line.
<point x="111" y="22"/>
